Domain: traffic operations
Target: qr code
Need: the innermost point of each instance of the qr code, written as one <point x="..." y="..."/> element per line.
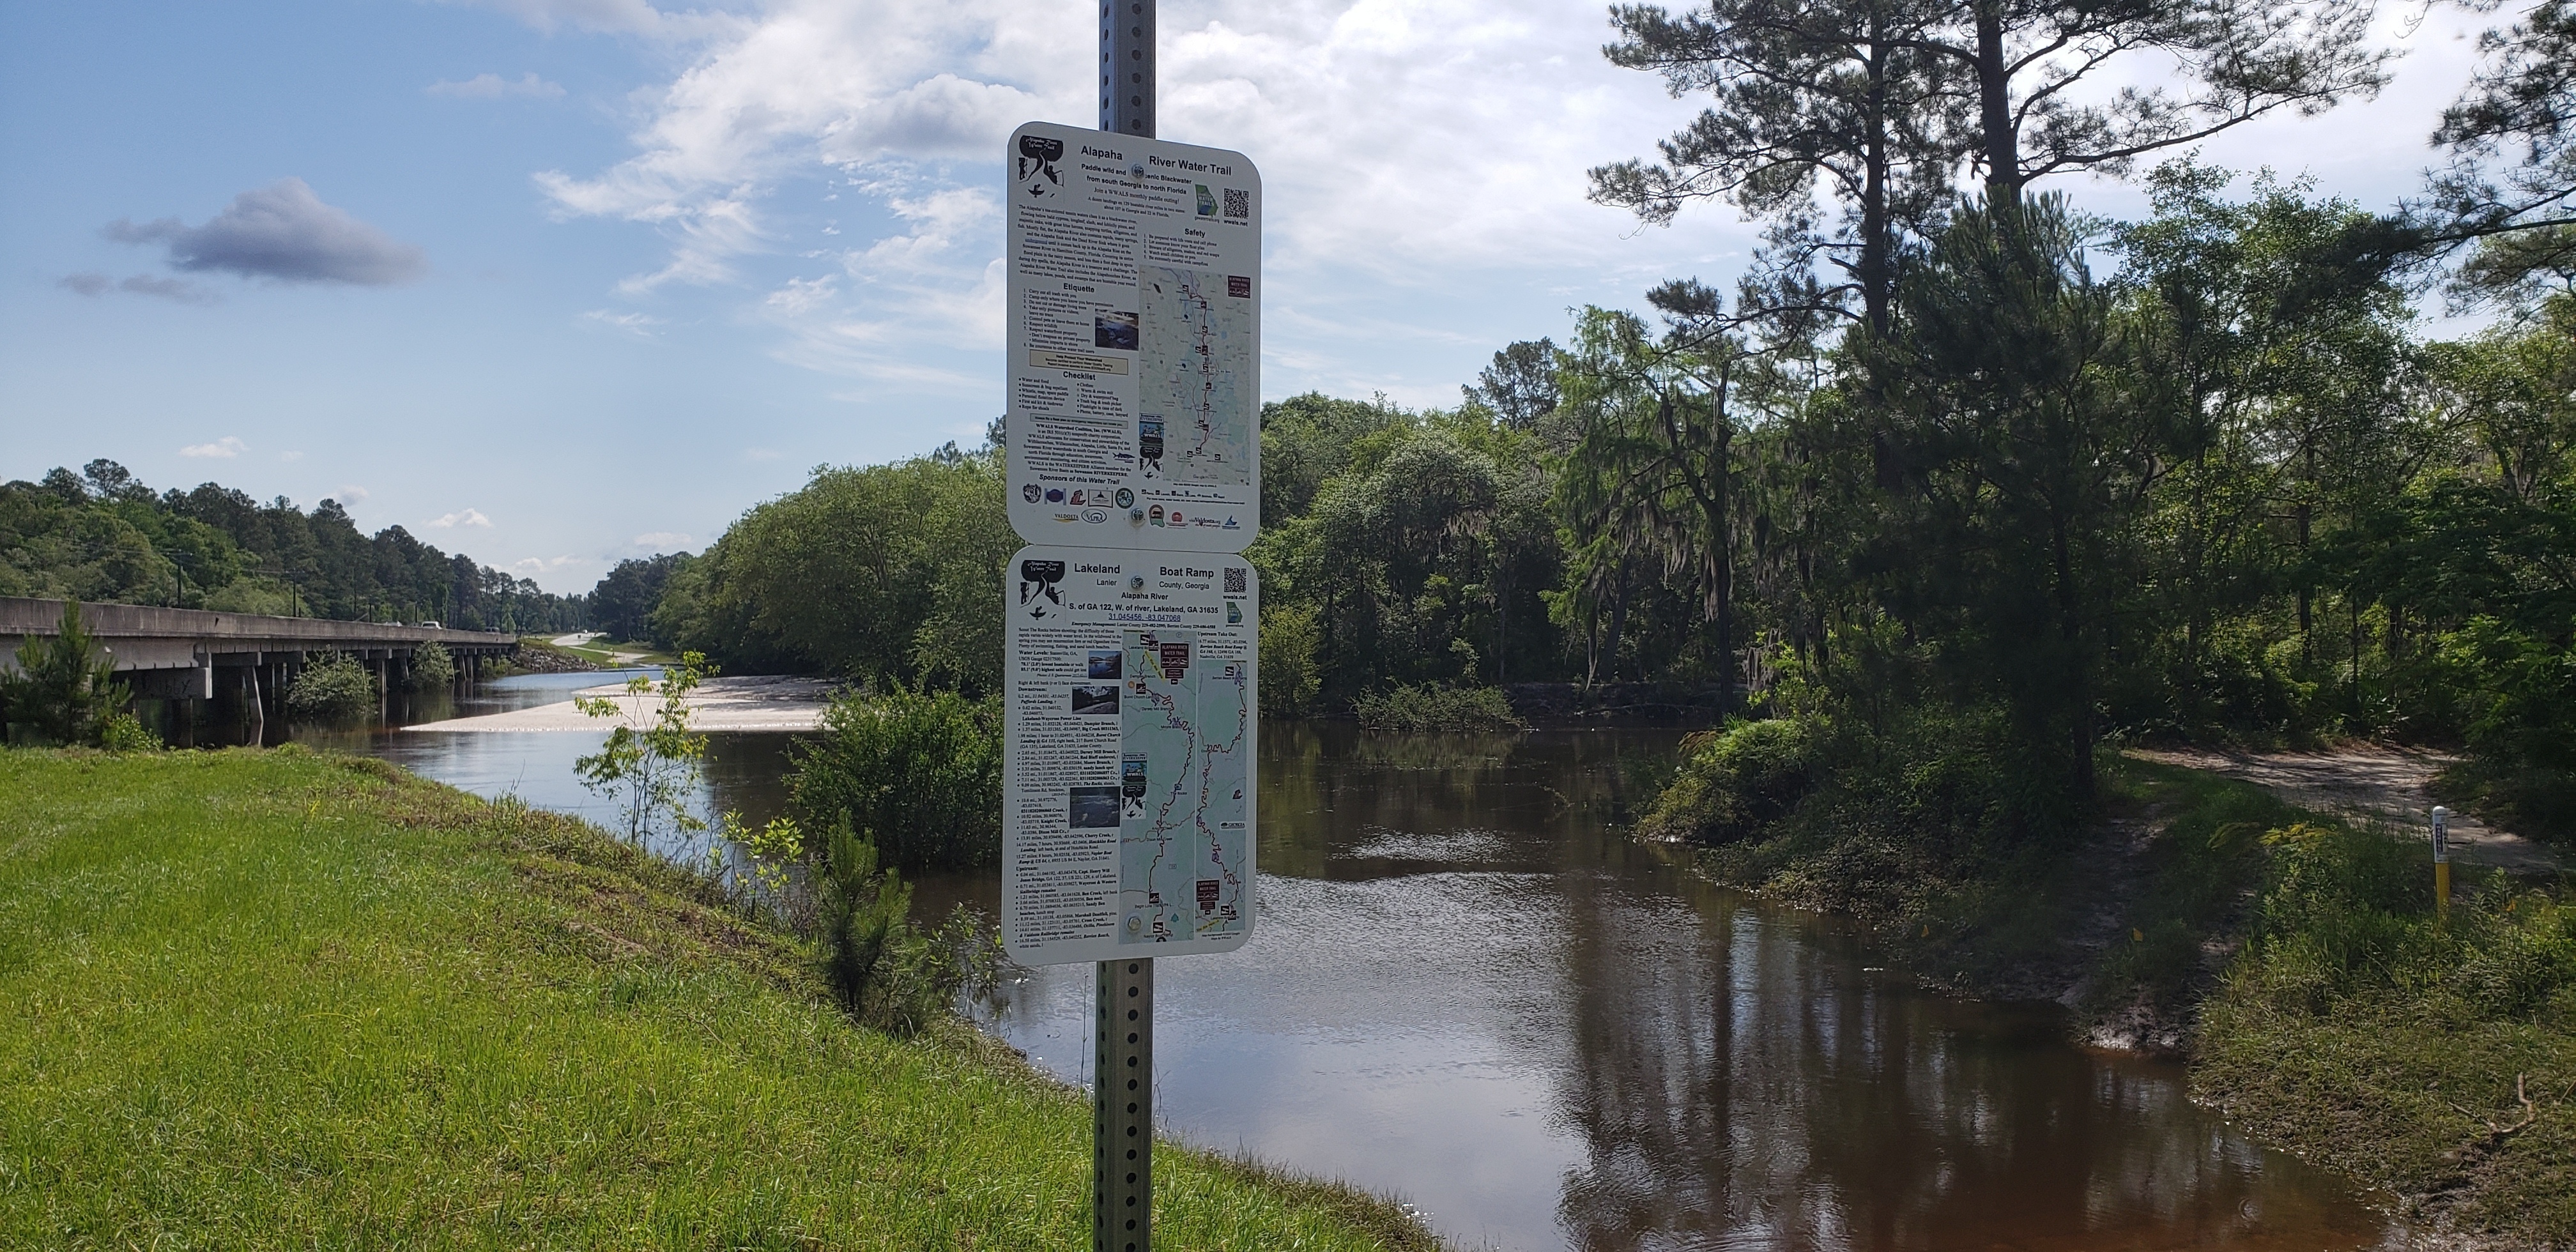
<point x="1233" y="580"/>
<point x="1238" y="203"/>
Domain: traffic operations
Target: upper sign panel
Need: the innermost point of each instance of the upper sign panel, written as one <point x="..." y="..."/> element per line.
<point x="1135" y="342"/>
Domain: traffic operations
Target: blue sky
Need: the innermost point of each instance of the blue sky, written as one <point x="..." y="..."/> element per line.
<point x="557" y="282"/>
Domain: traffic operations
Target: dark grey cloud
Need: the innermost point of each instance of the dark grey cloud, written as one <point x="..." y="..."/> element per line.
<point x="91" y="283"/>
<point x="178" y="289"/>
<point x="281" y="231"/>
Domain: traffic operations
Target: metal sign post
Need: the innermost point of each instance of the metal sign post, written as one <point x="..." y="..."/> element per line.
<point x="1122" y="1108"/>
<point x="1127" y="67"/>
<point x="1122" y="1087"/>
<point x="1131" y="694"/>
<point x="1124" y="995"/>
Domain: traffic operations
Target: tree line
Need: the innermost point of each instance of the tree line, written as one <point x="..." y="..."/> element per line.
<point x="1952" y="454"/>
<point x="103" y="536"/>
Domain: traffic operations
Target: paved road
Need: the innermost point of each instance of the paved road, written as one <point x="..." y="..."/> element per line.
<point x="2375" y="783"/>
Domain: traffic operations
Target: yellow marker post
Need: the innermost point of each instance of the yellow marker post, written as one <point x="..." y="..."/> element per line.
<point x="2442" y="859"/>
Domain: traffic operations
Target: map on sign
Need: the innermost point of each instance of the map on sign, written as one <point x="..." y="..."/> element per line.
<point x="1198" y="364"/>
<point x="1183" y="782"/>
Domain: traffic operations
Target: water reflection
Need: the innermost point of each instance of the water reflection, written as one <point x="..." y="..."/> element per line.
<point x="1466" y="986"/>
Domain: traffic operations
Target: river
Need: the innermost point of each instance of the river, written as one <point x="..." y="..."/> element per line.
<point x="1468" y="988"/>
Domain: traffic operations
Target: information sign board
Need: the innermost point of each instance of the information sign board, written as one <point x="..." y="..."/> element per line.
<point x="1135" y="342"/>
<point x="1127" y="778"/>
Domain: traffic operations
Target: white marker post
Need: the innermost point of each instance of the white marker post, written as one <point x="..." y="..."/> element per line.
<point x="1133" y="449"/>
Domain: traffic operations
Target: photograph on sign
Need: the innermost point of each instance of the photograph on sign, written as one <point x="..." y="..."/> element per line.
<point x="1130" y="723"/>
<point x="1134" y="392"/>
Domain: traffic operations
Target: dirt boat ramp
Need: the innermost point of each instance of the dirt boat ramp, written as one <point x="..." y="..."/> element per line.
<point x="2391" y="786"/>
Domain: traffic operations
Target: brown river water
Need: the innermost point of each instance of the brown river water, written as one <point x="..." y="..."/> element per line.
<point x="1467" y="987"/>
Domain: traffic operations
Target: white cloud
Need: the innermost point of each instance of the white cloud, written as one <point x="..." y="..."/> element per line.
<point x="462" y="517"/>
<point x="801" y="296"/>
<point x="1410" y="130"/>
<point x="227" y="448"/>
<point x="1423" y="168"/>
<point x="639" y="325"/>
<point x="290" y="456"/>
<point x="1402" y="141"/>
<point x="661" y="539"/>
<point x="350" y="494"/>
<point x="494" y="87"/>
<point x="530" y="567"/>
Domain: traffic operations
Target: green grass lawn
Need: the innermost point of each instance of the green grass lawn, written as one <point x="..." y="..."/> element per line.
<point x="278" y="999"/>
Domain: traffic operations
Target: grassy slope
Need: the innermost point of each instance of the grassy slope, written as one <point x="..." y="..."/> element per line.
<point x="278" y="999"/>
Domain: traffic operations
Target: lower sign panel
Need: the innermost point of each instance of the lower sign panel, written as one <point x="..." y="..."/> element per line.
<point x="1132" y="712"/>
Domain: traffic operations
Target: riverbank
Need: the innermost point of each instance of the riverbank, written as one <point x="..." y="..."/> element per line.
<point x="279" y="998"/>
<point x="2295" y="958"/>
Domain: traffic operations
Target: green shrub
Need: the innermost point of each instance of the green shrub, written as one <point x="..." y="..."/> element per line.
<point x="334" y="688"/>
<point x="1935" y="828"/>
<point x="2350" y="900"/>
<point x="2517" y="967"/>
<point x="2349" y="915"/>
<point x="63" y="691"/>
<point x="1430" y="707"/>
<point x="431" y="668"/>
<point x="124" y="732"/>
<point x="2535" y="801"/>
<point x="1734" y="783"/>
<point x="917" y="774"/>
<point x="890" y="973"/>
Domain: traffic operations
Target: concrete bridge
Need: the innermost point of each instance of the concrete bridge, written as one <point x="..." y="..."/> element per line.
<point x="179" y="656"/>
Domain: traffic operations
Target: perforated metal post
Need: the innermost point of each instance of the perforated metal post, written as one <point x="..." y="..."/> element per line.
<point x="1127" y="67"/>
<point x="1122" y="1110"/>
